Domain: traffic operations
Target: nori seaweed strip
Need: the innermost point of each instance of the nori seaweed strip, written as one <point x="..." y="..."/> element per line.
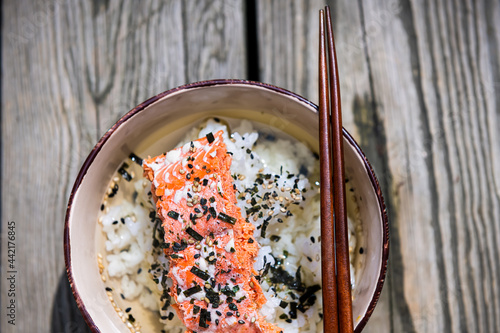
<point x="194" y="234"/>
<point x="199" y="273"/>
<point x="173" y="214"/>
<point x="135" y="159"/>
<point x="293" y="310"/>
<point x="191" y="291"/>
<point x="253" y="210"/>
<point x="196" y="309"/>
<point x="283" y="304"/>
<point x="213" y="297"/>
<point x="309" y="292"/>
<point x="210" y="137"/>
<point x="213" y="212"/>
<point x="228" y="291"/>
<point x="204" y="317"/>
<point x="226" y="218"/>
<point x="124" y="172"/>
<point x="264" y="227"/>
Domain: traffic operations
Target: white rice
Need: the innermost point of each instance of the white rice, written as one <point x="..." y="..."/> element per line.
<point x="284" y="169"/>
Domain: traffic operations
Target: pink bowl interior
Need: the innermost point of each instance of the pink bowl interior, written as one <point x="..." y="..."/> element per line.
<point x="156" y="126"/>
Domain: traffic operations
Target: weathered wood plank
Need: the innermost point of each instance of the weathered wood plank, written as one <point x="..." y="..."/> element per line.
<point x="69" y="70"/>
<point x="420" y="86"/>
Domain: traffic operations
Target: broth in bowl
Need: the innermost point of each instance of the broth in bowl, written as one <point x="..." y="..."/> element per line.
<point x="275" y="178"/>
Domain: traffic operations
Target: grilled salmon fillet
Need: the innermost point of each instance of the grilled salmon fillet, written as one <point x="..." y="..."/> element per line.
<point x="210" y="246"/>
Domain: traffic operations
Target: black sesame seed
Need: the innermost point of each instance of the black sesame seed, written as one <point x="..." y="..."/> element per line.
<point x="241" y="322"/>
<point x="127" y="310"/>
<point x="275" y="238"/>
<point x="361" y="250"/>
<point x="109" y="289"/>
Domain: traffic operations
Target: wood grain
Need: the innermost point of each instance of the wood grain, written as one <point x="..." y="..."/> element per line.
<point x="420" y="89"/>
<point x="420" y="84"/>
<point x="70" y="69"/>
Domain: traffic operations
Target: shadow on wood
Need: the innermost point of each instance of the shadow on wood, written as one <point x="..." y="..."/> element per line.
<point x="66" y="317"/>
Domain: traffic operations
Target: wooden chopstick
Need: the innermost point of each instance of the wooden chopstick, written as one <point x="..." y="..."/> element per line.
<point x="341" y="229"/>
<point x="335" y="140"/>
<point x="329" y="284"/>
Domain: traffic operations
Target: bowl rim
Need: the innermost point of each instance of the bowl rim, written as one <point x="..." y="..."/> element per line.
<point x="211" y="83"/>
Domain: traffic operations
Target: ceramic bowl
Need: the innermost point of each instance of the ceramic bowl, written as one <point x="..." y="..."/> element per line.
<point x="157" y="125"/>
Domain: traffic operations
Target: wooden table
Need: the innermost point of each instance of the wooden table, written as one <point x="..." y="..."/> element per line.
<point x="420" y="85"/>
